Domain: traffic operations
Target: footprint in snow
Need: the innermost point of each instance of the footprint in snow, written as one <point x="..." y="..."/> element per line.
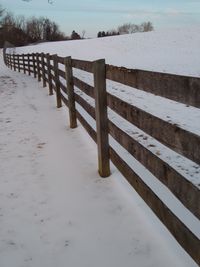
<point x="40" y="145"/>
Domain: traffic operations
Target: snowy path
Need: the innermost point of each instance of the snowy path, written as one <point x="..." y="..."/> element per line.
<point x="54" y="208"/>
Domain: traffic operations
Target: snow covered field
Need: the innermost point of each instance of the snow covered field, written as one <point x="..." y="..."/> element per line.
<point x="171" y="51"/>
<point x="56" y="210"/>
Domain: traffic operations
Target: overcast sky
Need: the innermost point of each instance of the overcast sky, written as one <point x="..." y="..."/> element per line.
<point x="95" y="15"/>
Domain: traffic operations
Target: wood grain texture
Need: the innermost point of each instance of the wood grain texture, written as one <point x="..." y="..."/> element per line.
<point x="86" y="88"/>
<point x="183" y="189"/>
<point x="169" y="134"/>
<point x="82" y="65"/>
<point x="179" y="88"/>
<point x="70" y="92"/>
<point x="101" y="117"/>
<point x="57" y="82"/>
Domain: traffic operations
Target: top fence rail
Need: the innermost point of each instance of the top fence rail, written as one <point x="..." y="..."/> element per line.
<point x="182" y="89"/>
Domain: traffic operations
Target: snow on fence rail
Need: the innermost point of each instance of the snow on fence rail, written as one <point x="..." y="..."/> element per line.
<point x="183" y="89"/>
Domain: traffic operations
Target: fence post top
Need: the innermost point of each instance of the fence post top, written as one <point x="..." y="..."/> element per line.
<point x="67" y="60"/>
<point x="101" y="60"/>
<point x="99" y="63"/>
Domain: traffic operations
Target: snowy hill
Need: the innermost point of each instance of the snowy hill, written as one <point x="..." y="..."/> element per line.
<point x="171" y="51"/>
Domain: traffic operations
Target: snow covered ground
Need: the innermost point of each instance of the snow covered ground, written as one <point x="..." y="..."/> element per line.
<point x="55" y="209"/>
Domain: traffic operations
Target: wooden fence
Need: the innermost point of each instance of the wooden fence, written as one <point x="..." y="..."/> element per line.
<point x="45" y="68"/>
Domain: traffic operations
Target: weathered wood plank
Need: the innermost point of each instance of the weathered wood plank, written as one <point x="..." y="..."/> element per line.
<point x="11" y="61"/>
<point x="70" y="92"/>
<point x="82" y="65"/>
<point x="14" y="62"/>
<point x="43" y="70"/>
<point x="34" y="65"/>
<point x="57" y="82"/>
<point x="61" y="73"/>
<point x="179" y="88"/>
<point x="184" y="190"/>
<point x="84" y="104"/>
<point x="61" y="60"/>
<point x="64" y="99"/>
<point x="28" y="60"/>
<point x="87" y="127"/>
<point x="49" y="74"/>
<point x="52" y="67"/>
<point x="86" y="88"/>
<point x="101" y="117"/>
<point x="38" y="67"/>
<point x="63" y="87"/>
<point x="18" y="63"/>
<point x="169" y="134"/>
<point x="181" y="233"/>
<point x="24" y="64"/>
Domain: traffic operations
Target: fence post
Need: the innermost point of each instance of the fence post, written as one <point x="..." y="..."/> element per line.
<point x="70" y="92"/>
<point x="23" y="64"/>
<point x="8" y="59"/>
<point x="4" y="55"/>
<point x="43" y="70"/>
<point x="49" y="74"/>
<point x="34" y="66"/>
<point x="101" y="117"/>
<point x="57" y="82"/>
<point x="18" y="63"/>
<point x="11" y="61"/>
<point x="28" y="60"/>
<point x="14" y="65"/>
<point x="38" y="67"/>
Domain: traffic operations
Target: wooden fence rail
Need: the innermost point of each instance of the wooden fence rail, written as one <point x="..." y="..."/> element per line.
<point x="46" y="68"/>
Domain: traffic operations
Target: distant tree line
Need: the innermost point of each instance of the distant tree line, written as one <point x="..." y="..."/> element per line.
<point x="128" y="28"/>
<point x="21" y="31"/>
<point x="108" y="33"/>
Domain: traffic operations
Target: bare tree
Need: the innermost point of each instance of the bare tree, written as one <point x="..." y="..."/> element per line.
<point x="127" y="28"/>
<point x="147" y="26"/>
<point x="43" y="29"/>
<point x="83" y="34"/>
<point x="8" y="20"/>
<point x="20" y="23"/>
<point x="2" y="10"/>
<point x="34" y="29"/>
